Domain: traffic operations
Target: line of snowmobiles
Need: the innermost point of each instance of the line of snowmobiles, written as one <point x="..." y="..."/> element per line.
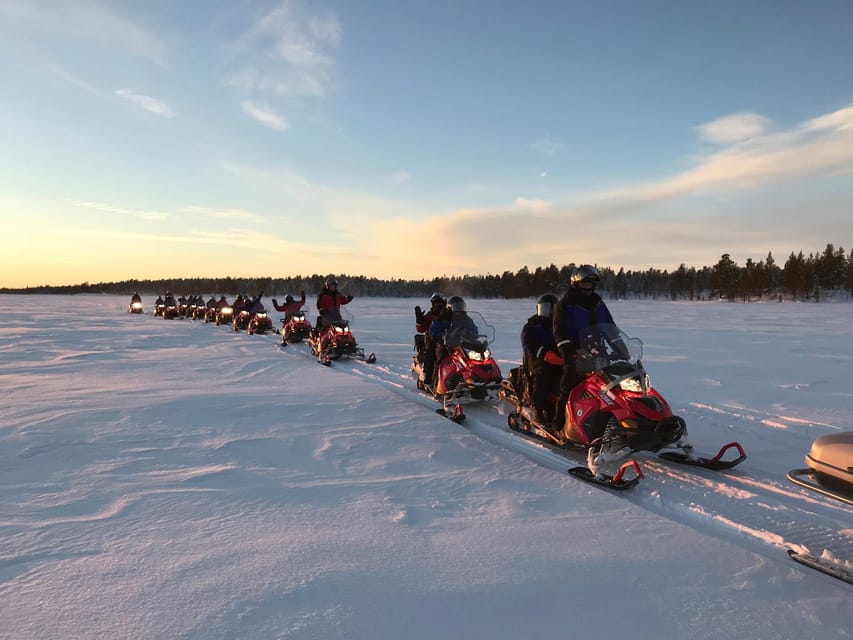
<point x="611" y="414"/>
<point x="333" y="341"/>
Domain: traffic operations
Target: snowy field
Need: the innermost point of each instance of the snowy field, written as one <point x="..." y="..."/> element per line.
<point x="175" y="479"/>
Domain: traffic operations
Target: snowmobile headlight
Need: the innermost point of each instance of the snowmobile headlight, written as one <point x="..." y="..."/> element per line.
<point x="480" y="356"/>
<point x="631" y="384"/>
<point x="227" y="310"/>
<point x="261" y="314"/>
<point x="136" y="305"/>
<point x="341" y="329"/>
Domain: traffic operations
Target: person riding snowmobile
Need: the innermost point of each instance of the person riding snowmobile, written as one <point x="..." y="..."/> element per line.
<point x="290" y="305"/>
<point x="579" y="308"/>
<point x="329" y="304"/>
<point x="424" y="343"/>
<point x="541" y="361"/>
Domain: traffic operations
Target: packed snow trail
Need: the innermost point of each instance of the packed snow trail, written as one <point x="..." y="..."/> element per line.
<point x="756" y="511"/>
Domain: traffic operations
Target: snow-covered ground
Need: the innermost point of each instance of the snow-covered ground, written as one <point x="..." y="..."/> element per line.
<point x="172" y="479"/>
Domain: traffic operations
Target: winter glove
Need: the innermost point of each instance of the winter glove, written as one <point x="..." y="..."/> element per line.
<point x="553" y="358"/>
<point x="349" y="298"/>
<point x="274" y="302"/>
<point x="419" y="315"/>
<point x="567" y="353"/>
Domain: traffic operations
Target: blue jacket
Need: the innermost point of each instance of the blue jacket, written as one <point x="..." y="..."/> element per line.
<point x="537" y="338"/>
<point x="458" y="327"/>
<point x="577" y="311"/>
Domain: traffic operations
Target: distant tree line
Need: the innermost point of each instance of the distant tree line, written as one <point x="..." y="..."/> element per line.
<point x="802" y="277"/>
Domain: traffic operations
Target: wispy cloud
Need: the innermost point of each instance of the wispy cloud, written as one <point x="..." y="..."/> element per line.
<point x="288" y="51"/>
<point x="664" y="217"/>
<point x="91" y="22"/>
<point x="265" y="115"/>
<point x="226" y="214"/>
<point x="532" y="204"/>
<point x="399" y="177"/>
<point x="152" y="105"/>
<point x="547" y="147"/>
<point x="734" y="128"/>
<point x="820" y="146"/>
<point x="135" y="213"/>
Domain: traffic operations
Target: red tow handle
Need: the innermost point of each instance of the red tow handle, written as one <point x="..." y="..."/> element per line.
<point x="728" y="446"/>
<point x="628" y="464"/>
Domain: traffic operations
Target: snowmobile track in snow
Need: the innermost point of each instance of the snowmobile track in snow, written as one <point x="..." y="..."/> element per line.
<point x="764" y="514"/>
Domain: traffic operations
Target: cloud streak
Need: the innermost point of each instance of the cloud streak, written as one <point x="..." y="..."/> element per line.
<point x="147" y="103"/>
<point x="264" y="115"/>
<point x="288" y="52"/>
<point x="820" y="146"/>
<point x="134" y="213"/>
<point x="607" y="227"/>
<point x="88" y="21"/>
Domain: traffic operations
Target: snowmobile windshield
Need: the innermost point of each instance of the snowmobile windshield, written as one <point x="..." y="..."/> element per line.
<point x="473" y="329"/>
<point x="604" y="344"/>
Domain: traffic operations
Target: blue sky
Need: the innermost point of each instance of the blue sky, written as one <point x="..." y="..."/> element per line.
<point x="415" y="139"/>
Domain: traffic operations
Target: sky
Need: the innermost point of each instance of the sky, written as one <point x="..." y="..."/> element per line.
<point x="176" y="479"/>
<point x="418" y="139"/>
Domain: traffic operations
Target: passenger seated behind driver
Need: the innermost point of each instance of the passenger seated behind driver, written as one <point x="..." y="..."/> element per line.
<point x="543" y="364"/>
<point x="423" y="321"/>
<point x="290" y="305"/>
<point x="329" y="304"/>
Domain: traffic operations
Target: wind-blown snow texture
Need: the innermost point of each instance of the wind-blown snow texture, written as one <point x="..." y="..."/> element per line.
<point x="172" y="479"/>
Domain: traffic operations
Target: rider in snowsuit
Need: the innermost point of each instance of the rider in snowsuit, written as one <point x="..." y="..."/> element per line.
<point x="424" y="343"/>
<point x="290" y="305"/>
<point x="541" y="361"/>
<point x="329" y="304"/>
<point x="578" y="309"/>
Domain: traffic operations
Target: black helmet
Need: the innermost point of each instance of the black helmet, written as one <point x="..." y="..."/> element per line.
<point x="584" y="273"/>
<point x="456" y="303"/>
<point x="545" y="304"/>
<point x="437" y="298"/>
<point x="330" y="282"/>
<point x="288" y="299"/>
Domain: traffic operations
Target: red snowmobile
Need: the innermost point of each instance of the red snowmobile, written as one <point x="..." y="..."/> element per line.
<point x="296" y="328"/>
<point x="241" y="320"/>
<point x="260" y="322"/>
<point x="613" y="412"/>
<point x="224" y="315"/>
<point x="467" y="374"/>
<point x="335" y="340"/>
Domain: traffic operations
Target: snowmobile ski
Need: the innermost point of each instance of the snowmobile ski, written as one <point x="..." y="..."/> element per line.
<point x="806" y="478"/>
<point x="830" y="568"/>
<point x="617" y="482"/>
<point x="715" y="464"/>
<point x="456" y="414"/>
